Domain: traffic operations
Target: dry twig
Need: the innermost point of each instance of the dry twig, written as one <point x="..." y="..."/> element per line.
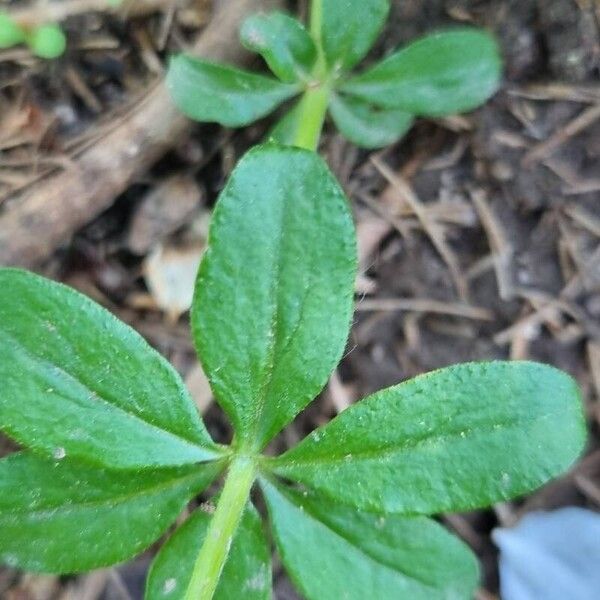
<point x="43" y="12"/>
<point x="44" y="216"/>
<point x="587" y="118"/>
<point x="502" y="250"/>
<point x="425" y="305"/>
<point x="431" y="227"/>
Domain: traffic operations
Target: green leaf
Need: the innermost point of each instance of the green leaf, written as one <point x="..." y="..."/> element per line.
<point x="333" y="551"/>
<point x="454" y="439"/>
<point x="10" y="32"/>
<point x="437" y="75"/>
<point x="283" y="42"/>
<point x="285" y="130"/>
<point x="368" y="126"/>
<point x="209" y="92"/>
<point x="247" y="571"/>
<point x="349" y="28"/>
<point x="47" y="41"/>
<point x="274" y="293"/>
<point x="62" y="517"/>
<point x="78" y="382"/>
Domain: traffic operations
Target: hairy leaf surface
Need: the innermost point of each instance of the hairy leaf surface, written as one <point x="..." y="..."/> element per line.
<point x="78" y="382"/>
<point x="247" y="571"/>
<point x="274" y="293"/>
<point x="62" y="517"/>
<point x="440" y="74"/>
<point x="349" y="29"/>
<point x="212" y="93"/>
<point x="366" y="125"/>
<point x="333" y="551"/>
<point x="455" y="439"/>
<point x="283" y="42"/>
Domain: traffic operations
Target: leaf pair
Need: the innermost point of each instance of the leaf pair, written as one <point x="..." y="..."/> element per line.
<point x="440" y="74"/>
<point x="330" y="551"/>
<point x="119" y="449"/>
<point x="115" y="434"/>
<point x="45" y="41"/>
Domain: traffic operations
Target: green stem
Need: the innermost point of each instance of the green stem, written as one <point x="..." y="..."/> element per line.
<point x="313" y="105"/>
<point x="242" y="471"/>
<point x="311" y="116"/>
<point x="222" y="528"/>
<point x="316" y="21"/>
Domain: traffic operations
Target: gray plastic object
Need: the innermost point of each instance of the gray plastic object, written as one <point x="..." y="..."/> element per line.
<point x="551" y="556"/>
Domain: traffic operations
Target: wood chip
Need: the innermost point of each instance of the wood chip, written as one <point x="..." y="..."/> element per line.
<point x="199" y="388"/>
<point x="164" y="209"/>
<point x="340" y="395"/>
<point x="170" y="273"/>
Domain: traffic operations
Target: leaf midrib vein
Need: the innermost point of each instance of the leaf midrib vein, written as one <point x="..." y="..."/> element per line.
<point x="275" y="326"/>
<point x="112" y="501"/>
<point x="100" y="399"/>
<point x="386" y="450"/>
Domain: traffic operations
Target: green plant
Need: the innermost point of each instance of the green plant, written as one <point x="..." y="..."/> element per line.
<point x="440" y="74"/>
<point x="116" y="448"/>
<point x="45" y="41"/>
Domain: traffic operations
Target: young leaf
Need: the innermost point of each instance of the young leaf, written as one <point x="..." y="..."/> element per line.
<point x="62" y="517"/>
<point x="283" y="42"/>
<point x="10" y="32"/>
<point x="78" y="382"/>
<point x="274" y="293"/>
<point x="246" y="574"/>
<point x="209" y="92"/>
<point x="455" y="439"/>
<point x="349" y="28"/>
<point x="332" y="551"/>
<point x="437" y="75"/>
<point x="368" y="126"/>
<point x="47" y="41"/>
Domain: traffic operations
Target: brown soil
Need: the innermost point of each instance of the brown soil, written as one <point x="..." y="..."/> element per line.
<point x="511" y="195"/>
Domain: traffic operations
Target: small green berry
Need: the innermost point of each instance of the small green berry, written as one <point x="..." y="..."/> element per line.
<point x="47" y="41"/>
<point x="10" y="33"/>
